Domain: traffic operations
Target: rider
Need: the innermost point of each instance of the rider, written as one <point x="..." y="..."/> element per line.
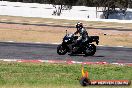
<point x="83" y="34"/>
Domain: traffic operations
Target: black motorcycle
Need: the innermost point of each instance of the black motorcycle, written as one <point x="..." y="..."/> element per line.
<point x="68" y="45"/>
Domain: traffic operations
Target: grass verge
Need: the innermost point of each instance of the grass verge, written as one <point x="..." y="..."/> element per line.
<point x="42" y="75"/>
<point x="63" y="22"/>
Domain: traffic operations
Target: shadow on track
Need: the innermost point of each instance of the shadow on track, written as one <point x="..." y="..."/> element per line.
<point x="84" y="55"/>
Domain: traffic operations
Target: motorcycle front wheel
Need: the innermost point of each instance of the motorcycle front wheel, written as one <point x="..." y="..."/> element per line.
<point x="61" y="50"/>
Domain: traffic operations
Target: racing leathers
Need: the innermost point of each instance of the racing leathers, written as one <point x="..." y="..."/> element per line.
<point x="83" y="35"/>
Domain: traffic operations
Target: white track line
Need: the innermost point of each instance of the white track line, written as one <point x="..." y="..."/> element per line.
<point x="10" y="41"/>
<point x="119" y="46"/>
<point x="100" y="45"/>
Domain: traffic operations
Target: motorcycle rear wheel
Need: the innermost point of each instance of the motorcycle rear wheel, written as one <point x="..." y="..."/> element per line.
<point x="90" y="50"/>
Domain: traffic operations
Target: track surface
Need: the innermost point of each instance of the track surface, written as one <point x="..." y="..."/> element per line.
<point x="48" y="52"/>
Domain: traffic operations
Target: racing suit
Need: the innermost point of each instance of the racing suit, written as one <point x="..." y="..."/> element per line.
<point x="83" y="35"/>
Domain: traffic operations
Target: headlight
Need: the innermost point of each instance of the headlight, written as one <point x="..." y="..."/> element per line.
<point x="66" y="40"/>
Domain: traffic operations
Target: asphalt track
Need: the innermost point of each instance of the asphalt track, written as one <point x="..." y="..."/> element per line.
<point x="34" y="51"/>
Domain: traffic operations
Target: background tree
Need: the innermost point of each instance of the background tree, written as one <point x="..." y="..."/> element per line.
<point x="111" y="5"/>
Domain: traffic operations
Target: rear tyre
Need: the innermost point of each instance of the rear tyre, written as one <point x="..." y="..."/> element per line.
<point x="90" y="50"/>
<point x="61" y="50"/>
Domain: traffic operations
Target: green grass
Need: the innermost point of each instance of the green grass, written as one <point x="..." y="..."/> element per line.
<point x="42" y="75"/>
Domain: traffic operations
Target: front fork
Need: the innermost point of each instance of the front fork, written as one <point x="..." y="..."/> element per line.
<point x="65" y="45"/>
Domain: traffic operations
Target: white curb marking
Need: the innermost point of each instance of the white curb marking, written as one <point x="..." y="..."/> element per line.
<point x="63" y="61"/>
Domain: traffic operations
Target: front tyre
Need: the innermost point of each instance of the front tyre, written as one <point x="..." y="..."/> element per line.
<point x="90" y="50"/>
<point x="61" y="50"/>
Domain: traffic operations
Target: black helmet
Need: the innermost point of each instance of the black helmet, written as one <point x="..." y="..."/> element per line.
<point x="79" y="25"/>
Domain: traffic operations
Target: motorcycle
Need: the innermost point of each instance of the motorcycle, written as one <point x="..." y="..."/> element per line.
<point x="68" y="45"/>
